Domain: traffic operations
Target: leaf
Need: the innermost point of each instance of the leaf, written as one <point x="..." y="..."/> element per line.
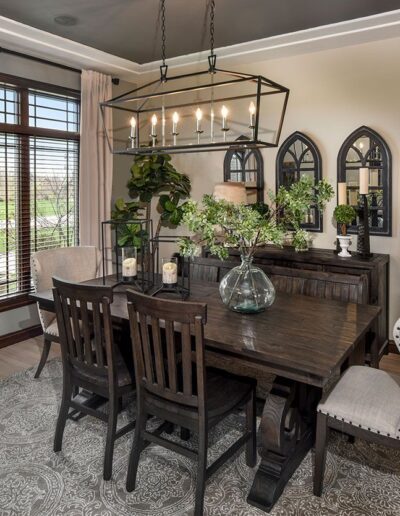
<point x="176" y="217"/>
<point x="120" y="204"/>
<point x="170" y="206"/>
<point x="163" y="200"/>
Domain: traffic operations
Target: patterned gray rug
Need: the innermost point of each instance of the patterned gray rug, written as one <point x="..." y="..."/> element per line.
<point x="361" y="479"/>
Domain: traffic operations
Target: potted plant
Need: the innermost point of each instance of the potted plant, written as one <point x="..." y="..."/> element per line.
<point x="344" y="214"/>
<point x="220" y="225"/>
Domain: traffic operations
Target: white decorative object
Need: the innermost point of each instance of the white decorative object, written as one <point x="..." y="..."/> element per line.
<point x="396" y="334"/>
<point x="129" y="268"/>
<point x="345" y="243"/>
<point x="170" y="273"/>
<point x="364" y="181"/>
<point x="342" y="193"/>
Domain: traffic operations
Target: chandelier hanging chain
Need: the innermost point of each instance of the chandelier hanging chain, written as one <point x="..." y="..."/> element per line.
<point x="212" y="58"/>
<point x="163" y="67"/>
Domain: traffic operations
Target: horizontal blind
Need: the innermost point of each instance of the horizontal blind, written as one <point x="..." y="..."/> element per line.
<point x="38" y="191"/>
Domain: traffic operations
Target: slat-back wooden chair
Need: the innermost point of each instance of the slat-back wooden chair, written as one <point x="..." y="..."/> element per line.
<point x="173" y="384"/>
<point x="90" y="358"/>
<point x="204" y="269"/>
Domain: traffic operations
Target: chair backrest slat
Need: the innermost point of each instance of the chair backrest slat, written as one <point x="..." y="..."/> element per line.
<point x="84" y="322"/>
<point x="168" y="344"/>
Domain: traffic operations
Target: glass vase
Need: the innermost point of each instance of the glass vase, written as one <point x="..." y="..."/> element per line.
<point x="246" y="288"/>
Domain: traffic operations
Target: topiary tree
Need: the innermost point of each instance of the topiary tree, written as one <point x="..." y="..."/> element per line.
<point x="344" y="215"/>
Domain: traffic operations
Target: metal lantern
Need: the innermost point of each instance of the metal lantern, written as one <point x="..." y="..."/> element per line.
<point x="202" y="111"/>
<point x="133" y="264"/>
<point x="171" y="270"/>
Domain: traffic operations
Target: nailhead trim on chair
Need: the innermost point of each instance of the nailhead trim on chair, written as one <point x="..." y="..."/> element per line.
<point x="359" y="426"/>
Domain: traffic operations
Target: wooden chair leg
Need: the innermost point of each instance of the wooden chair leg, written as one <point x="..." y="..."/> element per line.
<point x="44" y="356"/>
<point x="320" y="452"/>
<point x="251" y="426"/>
<point x="63" y="414"/>
<point x="111" y="430"/>
<point x="137" y="446"/>
<point x="201" y="471"/>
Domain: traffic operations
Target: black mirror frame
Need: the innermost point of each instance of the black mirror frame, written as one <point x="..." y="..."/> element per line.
<point x="365" y="131"/>
<point x="317" y="226"/>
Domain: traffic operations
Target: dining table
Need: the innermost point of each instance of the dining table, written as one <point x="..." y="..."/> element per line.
<point x="305" y="342"/>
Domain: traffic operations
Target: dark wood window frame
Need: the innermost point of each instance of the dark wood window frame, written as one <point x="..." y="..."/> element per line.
<point x="311" y="146"/>
<point x="367" y="132"/>
<point x="23" y="86"/>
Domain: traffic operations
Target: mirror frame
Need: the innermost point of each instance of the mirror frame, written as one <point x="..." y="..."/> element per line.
<point x="367" y="132"/>
<point x="260" y="167"/>
<point x="310" y="145"/>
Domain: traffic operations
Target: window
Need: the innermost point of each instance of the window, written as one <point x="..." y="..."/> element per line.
<point x="366" y="148"/>
<point x="246" y="166"/>
<point x="39" y="168"/>
<point x="298" y="156"/>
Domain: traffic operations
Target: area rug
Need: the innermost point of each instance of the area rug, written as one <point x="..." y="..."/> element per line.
<point x="361" y="479"/>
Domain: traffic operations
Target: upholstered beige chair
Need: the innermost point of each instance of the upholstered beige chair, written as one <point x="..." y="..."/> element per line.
<point x="69" y="263"/>
<point x="364" y="403"/>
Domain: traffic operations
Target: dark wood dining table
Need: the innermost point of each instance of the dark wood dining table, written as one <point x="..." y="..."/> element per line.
<point x="304" y="341"/>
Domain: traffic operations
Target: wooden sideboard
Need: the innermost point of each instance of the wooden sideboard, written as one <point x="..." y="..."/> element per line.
<point x="375" y="268"/>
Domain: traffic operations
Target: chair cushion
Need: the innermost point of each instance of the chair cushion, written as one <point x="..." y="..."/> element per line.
<point x="52" y="328"/>
<point x="368" y="398"/>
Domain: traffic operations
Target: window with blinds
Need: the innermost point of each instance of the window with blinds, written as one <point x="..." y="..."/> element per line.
<point x="39" y="171"/>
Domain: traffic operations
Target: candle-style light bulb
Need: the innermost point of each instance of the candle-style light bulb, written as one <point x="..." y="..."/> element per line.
<point x="175" y="120"/>
<point x="153" y="125"/>
<point x="199" y="116"/>
<point x="132" y="136"/>
<point x="224" y="113"/>
<point x="252" y="111"/>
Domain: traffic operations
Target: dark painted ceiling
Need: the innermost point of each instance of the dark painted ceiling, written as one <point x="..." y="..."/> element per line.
<point x="130" y="28"/>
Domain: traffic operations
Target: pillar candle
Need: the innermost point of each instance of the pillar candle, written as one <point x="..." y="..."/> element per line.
<point x="170" y="273"/>
<point x="364" y="181"/>
<point x="129" y="268"/>
<point x="342" y="193"/>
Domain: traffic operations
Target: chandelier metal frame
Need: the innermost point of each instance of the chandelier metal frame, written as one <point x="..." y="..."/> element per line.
<point x="164" y="89"/>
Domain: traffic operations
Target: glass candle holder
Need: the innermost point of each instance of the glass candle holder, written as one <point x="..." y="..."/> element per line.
<point x="129" y="264"/>
<point x="169" y="271"/>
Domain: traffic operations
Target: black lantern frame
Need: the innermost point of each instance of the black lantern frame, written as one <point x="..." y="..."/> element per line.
<point x="144" y="280"/>
<point x="182" y="287"/>
<point x="211" y="88"/>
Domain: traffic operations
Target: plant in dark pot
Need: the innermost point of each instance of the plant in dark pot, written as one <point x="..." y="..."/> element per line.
<point x="218" y="225"/>
<point x="344" y="215"/>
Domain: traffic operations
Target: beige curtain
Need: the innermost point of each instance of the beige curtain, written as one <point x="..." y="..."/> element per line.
<point x="96" y="161"/>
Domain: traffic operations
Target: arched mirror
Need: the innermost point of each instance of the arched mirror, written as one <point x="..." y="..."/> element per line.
<point x="366" y="148"/>
<point x="297" y="156"/>
<point x="247" y="166"/>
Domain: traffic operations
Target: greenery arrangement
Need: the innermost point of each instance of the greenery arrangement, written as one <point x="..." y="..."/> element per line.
<point x="151" y="175"/>
<point x="219" y="224"/>
<point x="344" y="215"/>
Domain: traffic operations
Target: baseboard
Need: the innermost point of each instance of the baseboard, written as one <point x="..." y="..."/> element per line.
<point x="392" y="347"/>
<point x="20" y="335"/>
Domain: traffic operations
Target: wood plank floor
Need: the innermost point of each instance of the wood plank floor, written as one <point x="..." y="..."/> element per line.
<point x="23" y="355"/>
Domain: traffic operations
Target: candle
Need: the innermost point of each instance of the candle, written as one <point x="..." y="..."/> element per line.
<point x="342" y="193"/>
<point x="224" y="113"/>
<point x="133" y="127"/>
<point x="175" y="120"/>
<point x="199" y="116"/>
<point x="364" y="181"/>
<point x="129" y="268"/>
<point x="153" y="125"/>
<point x="170" y="273"/>
<point x="252" y="111"/>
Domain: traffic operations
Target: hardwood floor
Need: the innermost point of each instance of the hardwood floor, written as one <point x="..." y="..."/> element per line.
<point x="23" y="355"/>
<point x="27" y="354"/>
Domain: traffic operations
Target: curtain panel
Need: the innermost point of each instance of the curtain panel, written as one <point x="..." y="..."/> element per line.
<point x="96" y="161"/>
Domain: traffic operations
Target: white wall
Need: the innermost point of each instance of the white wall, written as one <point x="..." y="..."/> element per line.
<point x="332" y="93"/>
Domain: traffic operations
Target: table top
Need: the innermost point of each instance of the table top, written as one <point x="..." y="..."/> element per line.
<point x="298" y="337"/>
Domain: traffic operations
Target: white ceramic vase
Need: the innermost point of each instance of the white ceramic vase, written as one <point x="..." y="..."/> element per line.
<point x="345" y="243"/>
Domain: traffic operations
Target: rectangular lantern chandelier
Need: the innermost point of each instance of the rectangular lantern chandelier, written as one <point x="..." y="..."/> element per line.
<point x="208" y="110"/>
